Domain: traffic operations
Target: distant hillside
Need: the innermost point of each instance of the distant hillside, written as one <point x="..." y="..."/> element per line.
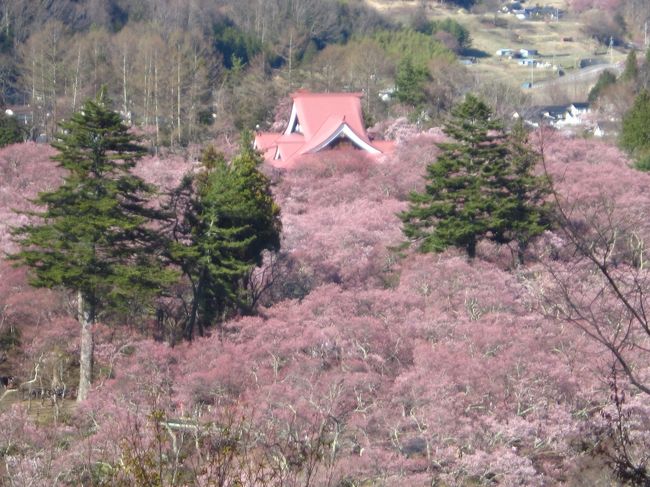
<point x="202" y="70"/>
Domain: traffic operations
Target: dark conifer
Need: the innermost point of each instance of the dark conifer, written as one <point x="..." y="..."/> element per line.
<point x="409" y="82"/>
<point x="631" y="71"/>
<point x="605" y="80"/>
<point x="93" y="236"/>
<point x="230" y="218"/>
<point x="10" y="130"/>
<point x="635" y="136"/>
<point x="480" y="186"/>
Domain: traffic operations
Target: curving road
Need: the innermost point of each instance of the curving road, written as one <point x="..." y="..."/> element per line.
<point x="590" y="73"/>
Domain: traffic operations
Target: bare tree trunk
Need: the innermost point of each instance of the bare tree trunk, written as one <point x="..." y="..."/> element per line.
<point x="76" y="81"/>
<point x="95" y="58"/>
<point x="178" y="95"/>
<point x="171" y="115"/>
<point x="43" y="94"/>
<point x="33" y="100"/>
<point x="290" y="59"/>
<point x="155" y="101"/>
<point x="147" y="90"/>
<point x="125" y="103"/>
<point x="86" y="354"/>
<point x="54" y="117"/>
<point x="191" y="102"/>
<point x="6" y="19"/>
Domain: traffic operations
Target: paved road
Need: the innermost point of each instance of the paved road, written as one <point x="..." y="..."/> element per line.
<point x="589" y="73"/>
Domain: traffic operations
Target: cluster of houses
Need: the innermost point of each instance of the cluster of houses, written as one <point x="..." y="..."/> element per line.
<point x="571" y="118"/>
<point x="532" y="13"/>
<point x="524" y="53"/>
<point x="525" y="57"/>
<point x="558" y="116"/>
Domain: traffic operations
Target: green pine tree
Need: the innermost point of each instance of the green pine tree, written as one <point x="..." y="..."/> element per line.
<point x="605" y="80"/>
<point x="10" y="130"/>
<point x="521" y="212"/>
<point x="230" y="219"/>
<point x="635" y="132"/>
<point x="480" y="186"/>
<point x="631" y="71"/>
<point x="409" y="82"/>
<point x="92" y="236"/>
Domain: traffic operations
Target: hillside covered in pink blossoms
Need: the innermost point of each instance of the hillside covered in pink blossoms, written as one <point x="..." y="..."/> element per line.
<point x="365" y="365"/>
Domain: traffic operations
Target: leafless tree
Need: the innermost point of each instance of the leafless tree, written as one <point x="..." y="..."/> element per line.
<point x="603" y="285"/>
<point x="44" y="73"/>
<point x="600" y="283"/>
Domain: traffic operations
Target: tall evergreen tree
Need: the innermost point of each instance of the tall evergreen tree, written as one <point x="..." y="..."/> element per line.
<point x="230" y="218"/>
<point x="92" y="236"/>
<point x="480" y="186"/>
<point x="520" y="213"/>
<point x="631" y="71"/>
<point x="10" y="130"/>
<point x="409" y="82"/>
<point x="605" y="80"/>
<point x="635" y="132"/>
<point x="644" y="71"/>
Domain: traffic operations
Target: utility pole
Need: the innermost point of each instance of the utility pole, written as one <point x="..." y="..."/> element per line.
<point x="645" y="34"/>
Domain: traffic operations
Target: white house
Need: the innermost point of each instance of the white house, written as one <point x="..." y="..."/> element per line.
<point x="606" y="128"/>
<point x="528" y="52"/>
<point x="558" y="116"/>
<point x="577" y="110"/>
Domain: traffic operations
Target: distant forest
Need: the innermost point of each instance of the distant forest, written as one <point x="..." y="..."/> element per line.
<point x="181" y="69"/>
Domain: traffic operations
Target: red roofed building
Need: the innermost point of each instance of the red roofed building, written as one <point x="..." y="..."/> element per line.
<point x="318" y="121"/>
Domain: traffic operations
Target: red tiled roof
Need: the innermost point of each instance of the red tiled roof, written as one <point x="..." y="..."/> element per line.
<point x="288" y="148"/>
<point x="264" y="141"/>
<point x="316" y="120"/>
<point x="314" y="109"/>
<point x="384" y="146"/>
<point x="330" y="126"/>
